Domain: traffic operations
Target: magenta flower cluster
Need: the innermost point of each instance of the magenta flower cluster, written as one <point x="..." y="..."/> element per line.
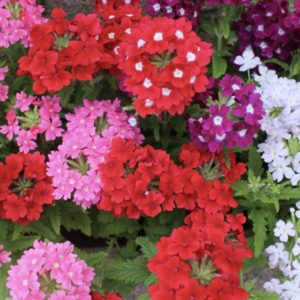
<point x="269" y="29"/>
<point x="16" y="20"/>
<point x="74" y="167"/>
<point x="175" y="9"/>
<point x="3" y="88"/>
<point x="232" y="120"/>
<point x="50" y="271"/>
<point x="30" y="117"/>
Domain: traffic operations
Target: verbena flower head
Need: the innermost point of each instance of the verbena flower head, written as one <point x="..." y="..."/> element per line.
<point x="62" y="51"/>
<point x="50" y="271"/>
<point x="263" y="28"/>
<point x="30" y="117"/>
<point x="164" y="65"/>
<point x="281" y="149"/>
<point x="284" y="256"/>
<point x="3" y="86"/>
<point x="74" y="166"/>
<point x="187" y="269"/>
<point x="4" y="256"/>
<point x="24" y="187"/>
<point x="175" y="9"/>
<point x="230" y="121"/>
<point x="17" y="17"/>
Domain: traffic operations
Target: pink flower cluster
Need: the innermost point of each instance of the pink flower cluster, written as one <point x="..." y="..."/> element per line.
<point x="90" y="130"/>
<point x="4" y="256"/>
<point x="16" y="19"/>
<point x="50" y="271"/>
<point x="232" y="120"/>
<point x="31" y="116"/>
<point x="3" y="87"/>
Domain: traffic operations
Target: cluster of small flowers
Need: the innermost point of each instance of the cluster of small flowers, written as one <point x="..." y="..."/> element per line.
<point x="4" y="256"/>
<point x="17" y="17"/>
<point x="50" y="271"/>
<point x="63" y="50"/>
<point x="229" y="2"/>
<point x="284" y="255"/>
<point x="230" y="121"/>
<point x="74" y="166"/>
<point x="175" y="9"/>
<point x="281" y="149"/>
<point x="30" y="117"/>
<point x="164" y="64"/>
<point x="145" y="181"/>
<point x="201" y="260"/>
<point x="105" y="296"/>
<point x="3" y="88"/>
<point x="118" y="21"/>
<point x="268" y="28"/>
<point x="24" y="187"/>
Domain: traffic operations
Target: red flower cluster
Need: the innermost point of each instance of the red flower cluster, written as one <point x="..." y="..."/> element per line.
<point x="106" y="296"/>
<point x="118" y="21"/>
<point x="24" y="187"/>
<point x="201" y="260"/>
<point x="163" y="62"/>
<point x="138" y="180"/>
<point x="206" y="177"/>
<point x="63" y="51"/>
<point x="144" y="181"/>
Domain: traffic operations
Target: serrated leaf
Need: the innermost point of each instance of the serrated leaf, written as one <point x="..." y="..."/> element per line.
<point x="148" y="248"/>
<point x="21" y="244"/>
<point x="75" y="218"/>
<point x="151" y="279"/>
<point x="54" y="216"/>
<point x="121" y="287"/>
<point x="144" y="297"/>
<point x="258" y="217"/>
<point x="295" y="64"/>
<point x="225" y="27"/>
<point x="255" y="162"/>
<point x="43" y="230"/>
<point x="3" y="276"/>
<point x="289" y="193"/>
<point x="129" y="271"/>
<point x="93" y="259"/>
<point x="261" y="295"/>
<point x="219" y="65"/>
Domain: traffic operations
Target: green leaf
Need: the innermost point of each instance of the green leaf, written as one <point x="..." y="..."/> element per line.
<point x="93" y="259"/>
<point x="255" y="162"/>
<point x="193" y="110"/>
<point x="261" y="295"/>
<point x="278" y="62"/>
<point x="129" y="271"/>
<point x="53" y="213"/>
<point x="75" y="218"/>
<point x="3" y="276"/>
<point x="219" y="65"/>
<point x="295" y="65"/>
<point x="258" y="218"/>
<point x="151" y="279"/>
<point x="22" y="243"/>
<point x="148" y="248"/>
<point x="289" y="193"/>
<point x="41" y="229"/>
<point x="225" y="27"/>
<point x="144" y="297"/>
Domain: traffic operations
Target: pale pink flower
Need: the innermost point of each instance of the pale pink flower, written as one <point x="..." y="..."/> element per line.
<point x="4" y="256"/>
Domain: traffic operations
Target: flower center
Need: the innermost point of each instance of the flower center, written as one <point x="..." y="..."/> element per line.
<point x="62" y="41"/>
<point x="211" y="170"/>
<point x="47" y="285"/>
<point x="21" y="185"/>
<point x="161" y="60"/>
<point x="101" y="124"/>
<point x="30" y="118"/>
<point x="203" y="271"/>
<point x="79" y="164"/>
<point x="14" y="9"/>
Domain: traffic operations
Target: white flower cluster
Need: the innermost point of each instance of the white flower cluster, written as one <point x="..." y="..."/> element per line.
<point x="281" y="149"/>
<point x="284" y="255"/>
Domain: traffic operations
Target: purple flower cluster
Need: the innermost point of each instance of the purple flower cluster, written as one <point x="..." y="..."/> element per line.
<point x="264" y="28"/>
<point x="232" y="120"/>
<point x="228" y="2"/>
<point x="175" y="9"/>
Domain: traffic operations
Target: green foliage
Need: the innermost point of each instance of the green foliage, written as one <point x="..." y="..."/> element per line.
<point x="259" y="219"/>
<point x="261" y="295"/>
<point x="255" y="163"/>
<point x="148" y="248"/>
<point x="144" y="297"/>
<point x="128" y="271"/>
<point x="219" y="66"/>
<point x="74" y="217"/>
